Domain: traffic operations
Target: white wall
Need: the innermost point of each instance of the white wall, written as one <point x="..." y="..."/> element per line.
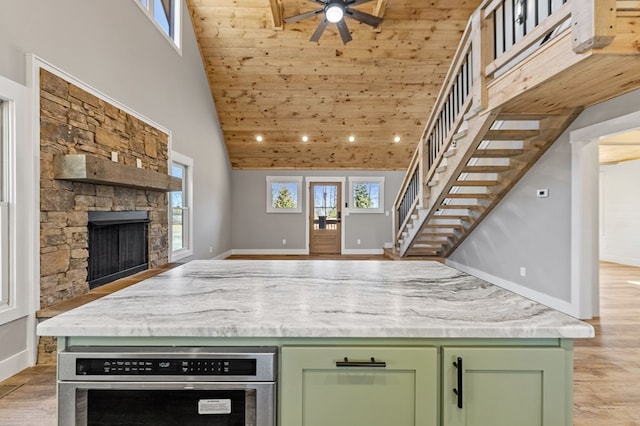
<point x="256" y="231"/>
<point x="526" y="231"/>
<point x="619" y="207"/>
<point x="113" y="47"/>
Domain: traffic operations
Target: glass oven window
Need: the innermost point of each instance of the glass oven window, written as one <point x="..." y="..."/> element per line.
<point x="171" y="407"/>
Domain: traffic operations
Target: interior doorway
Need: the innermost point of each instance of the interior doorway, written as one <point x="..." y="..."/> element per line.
<point x="325" y="218"/>
<point x="585" y="220"/>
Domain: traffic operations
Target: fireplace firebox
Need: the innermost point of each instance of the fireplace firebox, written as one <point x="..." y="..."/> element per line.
<point x="118" y="245"/>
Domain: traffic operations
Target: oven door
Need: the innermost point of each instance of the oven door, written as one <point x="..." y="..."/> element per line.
<point x="166" y="403"/>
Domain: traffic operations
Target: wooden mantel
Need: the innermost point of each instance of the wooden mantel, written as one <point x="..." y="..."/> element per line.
<point x="91" y="169"/>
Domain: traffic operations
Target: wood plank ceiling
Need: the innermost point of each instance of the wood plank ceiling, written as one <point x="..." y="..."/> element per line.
<point x="277" y="84"/>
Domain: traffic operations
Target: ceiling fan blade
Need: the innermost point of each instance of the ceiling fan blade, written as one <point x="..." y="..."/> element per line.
<point x="344" y="31"/>
<point x="302" y="16"/>
<point x="356" y="2"/>
<point x="318" y="32"/>
<point x="365" y="18"/>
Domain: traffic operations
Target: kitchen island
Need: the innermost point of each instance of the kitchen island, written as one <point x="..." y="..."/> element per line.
<point x="424" y="314"/>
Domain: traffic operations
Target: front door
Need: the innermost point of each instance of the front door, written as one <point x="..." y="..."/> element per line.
<point x="325" y="217"/>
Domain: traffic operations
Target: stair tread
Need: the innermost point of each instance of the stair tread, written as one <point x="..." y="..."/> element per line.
<point x="464" y="195"/>
<point x="497" y="153"/>
<point x="510" y="135"/>
<point x="476" y="183"/>
<point x="486" y="169"/>
<point x="459" y="207"/>
<point x="443" y="226"/>
<point x="450" y="153"/>
<point x="452" y="216"/>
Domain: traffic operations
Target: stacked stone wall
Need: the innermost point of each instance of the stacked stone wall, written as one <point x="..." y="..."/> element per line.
<point x="73" y="121"/>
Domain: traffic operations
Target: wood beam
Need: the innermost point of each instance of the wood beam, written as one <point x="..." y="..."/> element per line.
<point x="276" y="14"/>
<point x="91" y="169"/>
<point x="381" y="7"/>
<point x="593" y="24"/>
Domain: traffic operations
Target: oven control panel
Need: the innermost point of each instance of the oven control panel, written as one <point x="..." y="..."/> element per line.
<point x="165" y="367"/>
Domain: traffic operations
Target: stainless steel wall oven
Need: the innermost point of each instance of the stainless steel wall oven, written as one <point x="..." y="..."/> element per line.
<point x="213" y="386"/>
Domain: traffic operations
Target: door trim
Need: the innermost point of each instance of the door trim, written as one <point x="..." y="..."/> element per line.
<point x="585" y="227"/>
<point x="307" y="183"/>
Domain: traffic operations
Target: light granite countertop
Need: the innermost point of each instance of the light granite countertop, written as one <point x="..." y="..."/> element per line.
<point x="315" y="298"/>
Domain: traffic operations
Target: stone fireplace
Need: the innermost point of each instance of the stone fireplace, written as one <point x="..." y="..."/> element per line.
<point x="74" y="121"/>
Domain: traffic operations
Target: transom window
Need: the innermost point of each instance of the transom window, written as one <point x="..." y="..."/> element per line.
<point x="165" y="14"/>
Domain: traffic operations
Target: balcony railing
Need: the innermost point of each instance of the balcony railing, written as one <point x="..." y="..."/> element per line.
<point x="500" y="35"/>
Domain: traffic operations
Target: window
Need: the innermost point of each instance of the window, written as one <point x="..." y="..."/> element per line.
<point x="165" y="14"/>
<point x="366" y="194"/>
<point x="5" y="136"/>
<point x="283" y="194"/>
<point x="180" y="216"/>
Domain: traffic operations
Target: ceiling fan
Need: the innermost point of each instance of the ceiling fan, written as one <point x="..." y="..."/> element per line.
<point x="334" y="12"/>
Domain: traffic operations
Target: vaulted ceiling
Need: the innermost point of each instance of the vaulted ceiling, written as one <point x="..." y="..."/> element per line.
<point x="275" y="83"/>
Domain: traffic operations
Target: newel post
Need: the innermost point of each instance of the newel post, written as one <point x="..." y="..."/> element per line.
<point x="482" y="54"/>
<point x="592" y="24"/>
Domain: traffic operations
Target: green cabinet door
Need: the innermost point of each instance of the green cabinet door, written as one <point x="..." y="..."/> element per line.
<point x="505" y="387"/>
<point x="314" y="391"/>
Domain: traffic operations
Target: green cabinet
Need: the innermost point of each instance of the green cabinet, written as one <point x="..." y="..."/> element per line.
<point x="505" y="387"/>
<point x="348" y="386"/>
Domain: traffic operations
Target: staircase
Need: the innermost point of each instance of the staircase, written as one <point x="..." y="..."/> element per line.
<point x="511" y="91"/>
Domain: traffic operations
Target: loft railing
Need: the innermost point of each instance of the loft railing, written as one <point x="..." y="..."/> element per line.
<point x="500" y="35"/>
<point x="514" y="19"/>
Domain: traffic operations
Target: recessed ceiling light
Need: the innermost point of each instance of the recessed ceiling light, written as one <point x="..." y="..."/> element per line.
<point x="352" y="138"/>
<point x="259" y="138"/>
<point x="396" y="139"/>
<point x="305" y="138"/>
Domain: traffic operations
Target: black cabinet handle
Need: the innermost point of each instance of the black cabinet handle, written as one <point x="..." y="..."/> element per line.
<point x="372" y="363"/>
<point x="458" y="391"/>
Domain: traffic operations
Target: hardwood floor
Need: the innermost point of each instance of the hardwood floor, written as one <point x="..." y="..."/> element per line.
<point x="606" y="374"/>
<point x="607" y="368"/>
<point x="29" y="398"/>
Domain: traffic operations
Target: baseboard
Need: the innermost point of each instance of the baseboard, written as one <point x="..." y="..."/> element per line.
<point x="545" y="299"/>
<point x="268" y="252"/>
<point x="223" y="255"/>
<point x="14" y="364"/>
<point x="362" y="251"/>
<point x="623" y="260"/>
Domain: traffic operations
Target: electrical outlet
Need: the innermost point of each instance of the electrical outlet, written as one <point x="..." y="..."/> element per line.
<point x="284" y="242"/>
<point x="210" y="250"/>
<point x="542" y="193"/>
<point x="138" y="163"/>
<point x="358" y="242"/>
<point x="114" y="156"/>
<point x="523" y="271"/>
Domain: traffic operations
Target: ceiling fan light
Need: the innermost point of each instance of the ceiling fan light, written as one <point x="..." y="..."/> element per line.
<point x="334" y="13"/>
